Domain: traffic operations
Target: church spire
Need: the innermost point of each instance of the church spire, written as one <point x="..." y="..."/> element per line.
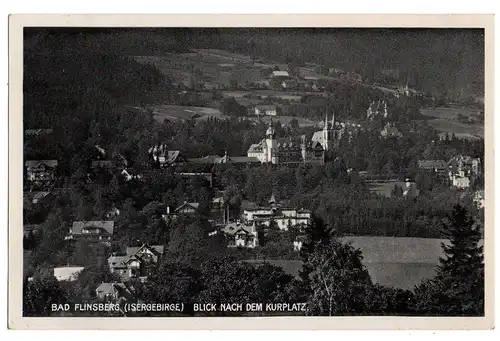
<point x="326" y="121"/>
<point x="333" y="118"/>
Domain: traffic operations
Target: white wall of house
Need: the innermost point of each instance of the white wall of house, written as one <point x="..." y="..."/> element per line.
<point x="461" y="182"/>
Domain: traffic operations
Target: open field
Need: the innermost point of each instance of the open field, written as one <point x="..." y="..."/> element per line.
<point x="293" y="96"/>
<point x="177" y="112"/>
<point x="391" y="261"/>
<point x="216" y="67"/>
<point x="445" y="120"/>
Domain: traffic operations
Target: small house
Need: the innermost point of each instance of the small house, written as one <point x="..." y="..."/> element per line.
<point x="93" y="231"/>
<point x="265" y="110"/>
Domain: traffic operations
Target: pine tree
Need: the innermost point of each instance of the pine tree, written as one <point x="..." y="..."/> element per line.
<point x="458" y="288"/>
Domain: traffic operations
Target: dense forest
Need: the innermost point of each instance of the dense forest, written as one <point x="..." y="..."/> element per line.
<point x="86" y="89"/>
<point x="445" y="62"/>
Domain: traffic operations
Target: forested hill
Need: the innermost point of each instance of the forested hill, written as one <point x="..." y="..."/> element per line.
<point x="81" y="89"/>
<point x="433" y="60"/>
<point x="444" y="62"/>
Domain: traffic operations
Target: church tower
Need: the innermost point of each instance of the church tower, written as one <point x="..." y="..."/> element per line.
<point x="327" y="134"/>
<point x="270" y="143"/>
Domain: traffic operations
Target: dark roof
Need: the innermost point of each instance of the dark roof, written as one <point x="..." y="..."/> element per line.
<point x="209" y="159"/>
<point x="113" y="289"/>
<point x="248" y="205"/>
<point x="104" y="225"/>
<point x="239" y="159"/>
<point x="38" y="131"/>
<point x="194" y="205"/>
<point x="432" y="164"/>
<point x="37" y="163"/>
<point x="158" y="249"/>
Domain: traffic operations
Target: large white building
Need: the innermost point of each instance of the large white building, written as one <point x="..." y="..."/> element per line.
<point x="284" y="217"/>
<point x="287" y="150"/>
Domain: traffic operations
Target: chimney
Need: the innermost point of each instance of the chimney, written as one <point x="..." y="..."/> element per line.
<point x="168" y="209"/>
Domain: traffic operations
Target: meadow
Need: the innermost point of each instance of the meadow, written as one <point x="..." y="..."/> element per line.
<point x="445" y="120"/>
<point x="391" y="261"/>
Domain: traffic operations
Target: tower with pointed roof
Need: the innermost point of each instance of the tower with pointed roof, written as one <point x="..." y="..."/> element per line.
<point x="270" y="143"/>
<point x="328" y="133"/>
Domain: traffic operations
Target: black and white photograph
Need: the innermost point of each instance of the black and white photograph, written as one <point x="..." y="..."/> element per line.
<point x="187" y="172"/>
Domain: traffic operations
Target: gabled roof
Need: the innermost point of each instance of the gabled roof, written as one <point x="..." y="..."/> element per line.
<point x="193" y="205"/>
<point x="218" y="200"/>
<point x="161" y="151"/>
<point x="38" y="163"/>
<point x="118" y="261"/>
<point x="172" y="155"/>
<point x="234" y="228"/>
<point x="113" y="289"/>
<point x="157" y="249"/>
<point x="106" y="226"/>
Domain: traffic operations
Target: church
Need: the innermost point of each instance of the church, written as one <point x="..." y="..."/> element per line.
<point x="287" y="151"/>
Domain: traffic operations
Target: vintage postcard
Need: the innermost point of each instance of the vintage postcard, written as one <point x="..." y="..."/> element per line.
<point x="251" y="172"/>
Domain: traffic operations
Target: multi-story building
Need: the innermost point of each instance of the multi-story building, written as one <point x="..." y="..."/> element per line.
<point x="160" y="156"/>
<point x="241" y="235"/>
<point x="287" y="150"/>
<point x="470" y="165"/>
<point x="41" y="174"/>
<point x="92" y="231"/>
<point x="283" y="216"/>
<point x="138" y="262"/>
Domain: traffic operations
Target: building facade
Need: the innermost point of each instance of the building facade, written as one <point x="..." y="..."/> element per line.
<point x="40" y="174"/>
<point x="284" y="217"/>
<point x="241" y="235"/>
<point x="265" y="110"/>
<point x="92" y="231"/>
<point x="287" y="150"/>
<point x="139" y="262"/>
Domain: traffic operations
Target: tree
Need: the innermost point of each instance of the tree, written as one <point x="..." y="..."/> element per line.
<point x="173" y="282"/>
<point x="339" y="283"/>
<point x="226" y="279"/>
<point x="397" y="191"/>
<point x="230" y="107"/>
<point x="39" y="295"/>
<point x="458" y="288"/>
<point x="294" y="123"/>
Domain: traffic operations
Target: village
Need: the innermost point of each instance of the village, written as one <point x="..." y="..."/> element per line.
<point x="183" y="173"/>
